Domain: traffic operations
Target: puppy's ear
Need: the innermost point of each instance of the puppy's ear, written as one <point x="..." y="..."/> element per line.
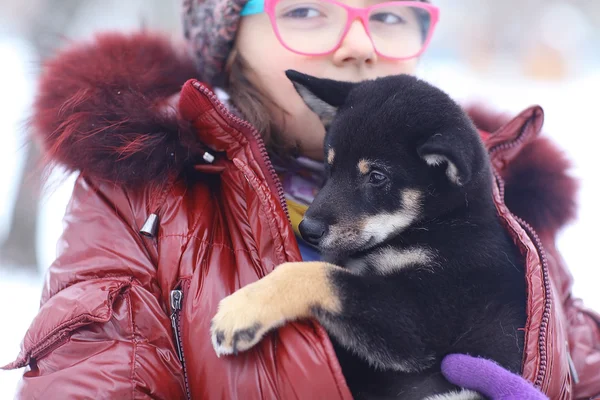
<point x="456" y="152"/>
<point x="322" y="96"/>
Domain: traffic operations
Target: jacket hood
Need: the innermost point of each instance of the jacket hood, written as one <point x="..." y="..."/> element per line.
<point x="108" y="108"/>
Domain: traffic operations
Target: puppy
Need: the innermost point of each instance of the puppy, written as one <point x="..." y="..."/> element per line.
<point x="416" y="264"/>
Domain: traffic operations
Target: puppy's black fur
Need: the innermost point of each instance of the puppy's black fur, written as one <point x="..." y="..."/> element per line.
<point x="407" y="207"/>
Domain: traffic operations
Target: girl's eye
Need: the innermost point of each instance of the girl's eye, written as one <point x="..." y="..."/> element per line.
<point x="377" y="178"/>
<point x="302" y="12"/>
<point x="387" y="18"/>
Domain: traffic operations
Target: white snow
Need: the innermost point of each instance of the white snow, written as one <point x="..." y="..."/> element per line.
<point x="19" y="296"/>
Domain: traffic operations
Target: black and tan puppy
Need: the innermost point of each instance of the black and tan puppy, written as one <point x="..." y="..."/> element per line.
<point x="416" y="262"/>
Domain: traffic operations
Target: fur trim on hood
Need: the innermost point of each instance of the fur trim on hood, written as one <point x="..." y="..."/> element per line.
<point x="106" y="107"/>
<point x="537" y="185"/>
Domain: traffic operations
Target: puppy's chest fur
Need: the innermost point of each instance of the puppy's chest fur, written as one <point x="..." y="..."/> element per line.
<point x="391" y="259"/>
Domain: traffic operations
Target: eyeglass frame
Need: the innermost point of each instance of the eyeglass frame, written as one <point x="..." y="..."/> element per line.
<point x="353" y="13"/>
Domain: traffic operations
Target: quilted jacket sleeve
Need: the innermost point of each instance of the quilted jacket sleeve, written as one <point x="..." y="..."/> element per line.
<point x="102" y="331"/>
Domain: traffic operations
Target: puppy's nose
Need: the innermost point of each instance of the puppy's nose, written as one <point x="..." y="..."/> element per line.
<point x="312" y="230"/>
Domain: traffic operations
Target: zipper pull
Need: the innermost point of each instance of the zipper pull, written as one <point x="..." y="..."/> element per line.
<point x="574" y="374"/>
<point x="175" y="298"/>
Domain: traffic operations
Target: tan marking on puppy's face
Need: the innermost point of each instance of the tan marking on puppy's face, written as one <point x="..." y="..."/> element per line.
<point x="379" y="227"/>
<point x="330" y="156"/>
<point x="292" y="291"/>
<point x="364" y="166"/>
<point x="411" y="200"/>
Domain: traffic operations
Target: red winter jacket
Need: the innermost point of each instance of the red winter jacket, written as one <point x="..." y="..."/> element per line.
<point x="126" y="308"/>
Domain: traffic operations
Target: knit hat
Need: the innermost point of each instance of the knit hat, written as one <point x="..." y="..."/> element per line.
<point x="209" y="27"/>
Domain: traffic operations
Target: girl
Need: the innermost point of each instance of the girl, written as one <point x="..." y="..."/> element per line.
<point x="195" y="170"/>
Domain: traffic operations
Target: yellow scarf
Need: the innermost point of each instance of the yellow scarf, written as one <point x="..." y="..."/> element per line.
<point x="297" y="211"/>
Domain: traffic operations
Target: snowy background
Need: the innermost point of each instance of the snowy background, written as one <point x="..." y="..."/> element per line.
<point x="483" y="50"/>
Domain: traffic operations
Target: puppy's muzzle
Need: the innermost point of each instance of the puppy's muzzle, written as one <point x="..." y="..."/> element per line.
<point x="312" y="230"/>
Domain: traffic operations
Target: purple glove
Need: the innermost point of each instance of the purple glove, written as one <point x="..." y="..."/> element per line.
<point x="488" y="378"/>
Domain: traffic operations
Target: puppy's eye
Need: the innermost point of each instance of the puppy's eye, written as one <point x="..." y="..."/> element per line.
<point x="377" y="178"/>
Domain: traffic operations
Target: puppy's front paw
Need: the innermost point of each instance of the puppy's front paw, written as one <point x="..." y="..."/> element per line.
<point x="242" y="320"/>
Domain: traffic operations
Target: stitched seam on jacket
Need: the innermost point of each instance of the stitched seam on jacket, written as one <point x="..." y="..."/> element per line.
<point x="134" y="354"/>
<point x="188" y="237"/>
<point x="263" y="195"/>
<point x="90" y="278"/>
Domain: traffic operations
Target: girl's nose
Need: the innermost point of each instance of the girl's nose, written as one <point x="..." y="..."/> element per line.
<point x="356" y="47"/>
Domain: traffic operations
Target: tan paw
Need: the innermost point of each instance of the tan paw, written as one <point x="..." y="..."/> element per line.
<point x="288" y="293"/>
<point x="242" y="320"/>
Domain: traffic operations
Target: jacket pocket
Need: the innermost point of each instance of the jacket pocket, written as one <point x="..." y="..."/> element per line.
<point x="78" y="305"/>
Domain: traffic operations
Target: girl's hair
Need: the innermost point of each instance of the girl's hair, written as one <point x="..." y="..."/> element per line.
<point x="256" y="107"/>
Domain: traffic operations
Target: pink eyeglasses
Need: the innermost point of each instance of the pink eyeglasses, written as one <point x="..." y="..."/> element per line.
<point x="398" y="30"/>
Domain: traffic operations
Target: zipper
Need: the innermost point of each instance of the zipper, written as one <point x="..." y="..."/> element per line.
<point x="176" y="299"/>
<point x="515" y="142"/>
<point x="544" y="261"/>
<point x="548" y="303"/>
<point x="244" y="125"/>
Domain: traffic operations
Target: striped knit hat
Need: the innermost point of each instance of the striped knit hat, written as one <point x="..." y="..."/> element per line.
<point x="209" y="27"/>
